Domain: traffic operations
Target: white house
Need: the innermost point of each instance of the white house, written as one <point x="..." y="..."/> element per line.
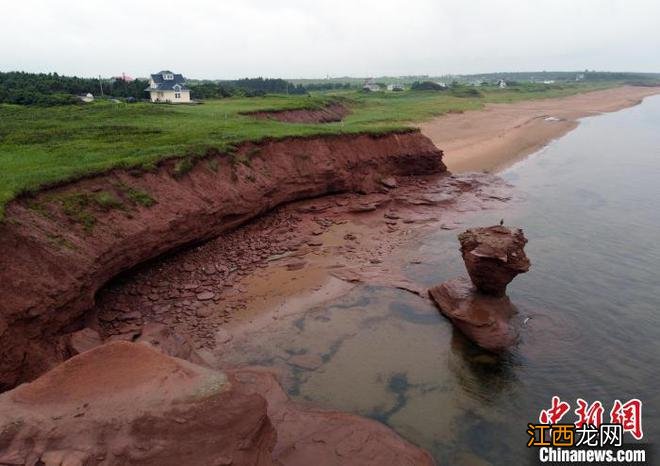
<point x="395" y="87"/>
<point x="166" y="86"/>
<point x="370" y="86"/>
<point x="501" y="83"/>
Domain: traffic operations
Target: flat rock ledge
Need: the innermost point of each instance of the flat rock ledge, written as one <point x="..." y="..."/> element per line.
<point x="484" y="319"/>
<point x="126" y="403"/>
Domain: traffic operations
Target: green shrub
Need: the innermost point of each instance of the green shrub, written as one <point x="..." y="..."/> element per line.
<point x="107" y="201"/>
<point x="140" y="197"/>
<point x="427" y="86"/>
<point x="465" y="91"/>
<point x="150" y="167"/>
<point x="183" y="166"/>
<point x="75" y="207"/>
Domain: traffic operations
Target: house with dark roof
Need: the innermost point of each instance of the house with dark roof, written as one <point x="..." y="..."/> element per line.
<point x="166" y="86"/>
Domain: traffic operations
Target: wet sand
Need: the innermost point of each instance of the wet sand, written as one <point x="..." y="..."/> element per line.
<point x="501" y="134"/>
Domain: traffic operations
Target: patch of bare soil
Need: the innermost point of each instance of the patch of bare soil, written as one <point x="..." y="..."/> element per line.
<point x="328" y="114"/>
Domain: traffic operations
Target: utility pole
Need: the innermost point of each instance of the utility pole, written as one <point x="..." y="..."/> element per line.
<point x="101" y="85"/>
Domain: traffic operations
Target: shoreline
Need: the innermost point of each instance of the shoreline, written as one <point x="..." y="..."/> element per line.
<point x="329" y="245"/>
<point x="333" y="246"/>
<point x="499" y="135"/>
<point x="221" y="297"/>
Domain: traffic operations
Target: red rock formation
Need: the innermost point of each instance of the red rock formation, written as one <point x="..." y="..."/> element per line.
<point x="53" y="265"/>
<point x="126" y="404"/>
<point x="484" y="319"/>
<point x="493" y="257"/>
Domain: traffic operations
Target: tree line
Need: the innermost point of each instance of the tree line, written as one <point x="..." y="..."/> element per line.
<point x="247" y="87"/>
<point x="251" y="87"/>
<point x="47" y="89"/>
<point x="18" y="87"/>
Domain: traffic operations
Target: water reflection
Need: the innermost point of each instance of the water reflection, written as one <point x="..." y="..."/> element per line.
<point x="482" y="375"/>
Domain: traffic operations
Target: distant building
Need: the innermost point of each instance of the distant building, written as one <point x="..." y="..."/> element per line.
<point x="166" y="86"/>
<point x="124" y="77"/>
<point x="371" y="86"/>
<point x="395" y="87"/>
<point x="441" y="84"/>
<point x="501" y="83"/>
<point x="579" y="77"/>
<point x="87" y="97"/>
<point x="549" y="81"/>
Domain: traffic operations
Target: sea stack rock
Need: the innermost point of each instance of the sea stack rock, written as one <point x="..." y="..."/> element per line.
<point x="493" y="257"/>
<point x="481" y="310"/>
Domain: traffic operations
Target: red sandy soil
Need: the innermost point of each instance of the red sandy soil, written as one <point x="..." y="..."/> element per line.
<point x="328" y="114"/>
<point x="499" y="135"/>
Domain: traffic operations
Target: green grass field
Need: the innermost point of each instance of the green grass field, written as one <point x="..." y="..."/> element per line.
<point x="42" y="146"/>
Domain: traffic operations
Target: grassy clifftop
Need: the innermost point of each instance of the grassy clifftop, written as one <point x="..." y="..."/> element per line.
<point x="41" y="146"/>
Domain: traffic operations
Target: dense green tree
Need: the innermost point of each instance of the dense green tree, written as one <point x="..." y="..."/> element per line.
<point x="427" y="86"/>
<point x="46" y="89"/>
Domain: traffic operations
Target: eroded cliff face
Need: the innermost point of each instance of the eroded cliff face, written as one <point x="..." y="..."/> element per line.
<point x="328" y="114"/>
<point x="62" y="245"/>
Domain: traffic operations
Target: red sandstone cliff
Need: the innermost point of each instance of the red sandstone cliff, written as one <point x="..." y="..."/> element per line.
<point x="53" y="265"/>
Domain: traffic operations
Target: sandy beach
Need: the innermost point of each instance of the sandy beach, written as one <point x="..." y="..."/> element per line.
<point x="501" y="134"/>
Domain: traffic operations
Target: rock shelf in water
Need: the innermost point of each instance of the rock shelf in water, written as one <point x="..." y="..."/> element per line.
<point x="493" y="257"/>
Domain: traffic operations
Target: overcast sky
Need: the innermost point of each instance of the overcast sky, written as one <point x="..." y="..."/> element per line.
<point x="306" y="38"/>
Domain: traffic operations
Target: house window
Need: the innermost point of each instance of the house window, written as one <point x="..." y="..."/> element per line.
<point x="177" y="95"/>
<point x="168" y="76"/>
